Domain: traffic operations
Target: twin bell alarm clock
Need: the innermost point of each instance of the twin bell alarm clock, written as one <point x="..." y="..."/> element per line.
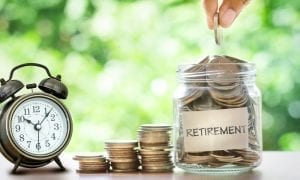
<point x="34" y="127"/>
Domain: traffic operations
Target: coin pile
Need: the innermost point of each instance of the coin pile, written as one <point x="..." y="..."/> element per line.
<point x="155" y="148"/>
<point x="220" y="158"/>
<point x="91" y="163"/>
<point x="219" y="91"/>
<point x="123" y="155"/>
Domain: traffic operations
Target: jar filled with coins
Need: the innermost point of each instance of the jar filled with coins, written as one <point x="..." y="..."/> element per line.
<point x="217" y="113"/>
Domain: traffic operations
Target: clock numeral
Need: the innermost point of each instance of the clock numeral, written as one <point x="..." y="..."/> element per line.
<point x="28" y="144"/>
<point x="18" y="128"/>
<point x="53" y="136"/>
<point x="38" y="146"/>
<point x="26" y="111"/>
<point x="36" y="109"/>
<point x="47" y="144"/>
<point x="52" y="117"/>
<point x="56" y="126"/>
<point x="21" y="137"/>
<point x="20" y="119"/>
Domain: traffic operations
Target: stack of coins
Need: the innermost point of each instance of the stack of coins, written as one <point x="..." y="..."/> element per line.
<point x="223" y="91"/>
<point x="123" y="155"/>
<point x="91" y="163"/>
<point x="155" y="148"/>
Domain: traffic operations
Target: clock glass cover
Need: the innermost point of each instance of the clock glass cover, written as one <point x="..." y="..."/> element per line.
<point x="39" y="126"/>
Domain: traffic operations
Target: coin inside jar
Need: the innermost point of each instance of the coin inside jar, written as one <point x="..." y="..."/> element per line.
<point x="227" y="67"/>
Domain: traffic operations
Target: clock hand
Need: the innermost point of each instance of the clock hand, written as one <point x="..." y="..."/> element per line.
<point x="38" y="128"/>
<point x="28" y="120"/>
<point x="46" y="115"/>
<point x="38" y="144"/>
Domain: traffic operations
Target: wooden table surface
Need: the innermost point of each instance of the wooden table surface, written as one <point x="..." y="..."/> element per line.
<point x="275" y="165"/>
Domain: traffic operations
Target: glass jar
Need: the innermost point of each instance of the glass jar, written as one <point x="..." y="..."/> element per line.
<point x="217" y="115"/>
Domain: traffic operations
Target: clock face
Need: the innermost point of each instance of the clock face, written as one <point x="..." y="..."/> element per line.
<point x="39" y="126"/>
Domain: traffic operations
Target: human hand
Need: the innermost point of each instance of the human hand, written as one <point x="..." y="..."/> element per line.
<point x="228" y="11"/>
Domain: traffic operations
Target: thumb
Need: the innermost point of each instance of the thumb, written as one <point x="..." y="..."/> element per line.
<point x="210" y="7"/>
<point x="229" y="10"/>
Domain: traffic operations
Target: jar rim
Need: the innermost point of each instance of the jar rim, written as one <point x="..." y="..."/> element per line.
<point x="224" y="71"/>
<point x="202" y="64"/>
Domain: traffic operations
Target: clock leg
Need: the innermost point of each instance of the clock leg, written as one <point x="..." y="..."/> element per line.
<point x="17" y="163"/>
<point x="58" y="162"/>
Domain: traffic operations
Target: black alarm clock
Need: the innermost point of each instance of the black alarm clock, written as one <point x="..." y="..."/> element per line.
<point x="35" y="127"/>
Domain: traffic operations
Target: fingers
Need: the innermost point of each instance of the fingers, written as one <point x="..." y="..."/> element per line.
<point x="210" y="7"/>
<point x="229" y="10"/>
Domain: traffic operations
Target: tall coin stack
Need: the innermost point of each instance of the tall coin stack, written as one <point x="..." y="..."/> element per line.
<point x="155" y="148"/>
<point x="123" y="155"/>
<point x="91" y="163"/>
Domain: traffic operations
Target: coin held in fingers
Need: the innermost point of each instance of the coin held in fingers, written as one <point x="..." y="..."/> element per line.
<point x="217" y="30"/>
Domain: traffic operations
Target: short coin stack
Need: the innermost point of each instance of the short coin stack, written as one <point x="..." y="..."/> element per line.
<point x="123" y="155"/>
<point x="155" y="148"/>
<point x="91" y="163"/>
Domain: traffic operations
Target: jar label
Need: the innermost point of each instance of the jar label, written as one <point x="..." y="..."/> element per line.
<point x="215" y="129"/>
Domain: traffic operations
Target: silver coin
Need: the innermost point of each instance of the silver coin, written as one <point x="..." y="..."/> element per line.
<point x="217" y="30"/>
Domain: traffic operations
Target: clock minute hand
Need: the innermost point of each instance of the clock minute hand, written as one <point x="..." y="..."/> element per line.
<point x="38" y="130"/>
<point x="46" y="115"/>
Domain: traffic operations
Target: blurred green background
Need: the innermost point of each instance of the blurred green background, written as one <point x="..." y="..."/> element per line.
<point x="119" y="57"/>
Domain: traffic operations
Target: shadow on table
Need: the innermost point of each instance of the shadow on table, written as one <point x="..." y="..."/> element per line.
<point x="252" y="175"/>
<point x="40" y="171"/>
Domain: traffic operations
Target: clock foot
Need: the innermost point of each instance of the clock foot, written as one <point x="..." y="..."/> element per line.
<point x="59" y="163"/>
<point x="17" y="163"/>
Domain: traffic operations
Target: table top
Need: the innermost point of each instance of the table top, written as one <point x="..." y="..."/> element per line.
<point x="275" y="165"/>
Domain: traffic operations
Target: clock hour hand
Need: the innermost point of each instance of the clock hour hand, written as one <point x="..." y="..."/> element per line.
<point x="28" y="120"/>
<point x="46" y="115"/>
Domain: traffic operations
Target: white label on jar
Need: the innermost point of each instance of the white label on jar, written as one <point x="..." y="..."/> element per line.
<point x="215" y="129"/>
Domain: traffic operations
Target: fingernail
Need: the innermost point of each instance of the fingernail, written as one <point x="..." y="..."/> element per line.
<point x="228" y="17"/>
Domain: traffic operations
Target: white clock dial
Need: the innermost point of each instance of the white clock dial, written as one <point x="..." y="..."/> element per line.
<point x="39" y="126"/>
